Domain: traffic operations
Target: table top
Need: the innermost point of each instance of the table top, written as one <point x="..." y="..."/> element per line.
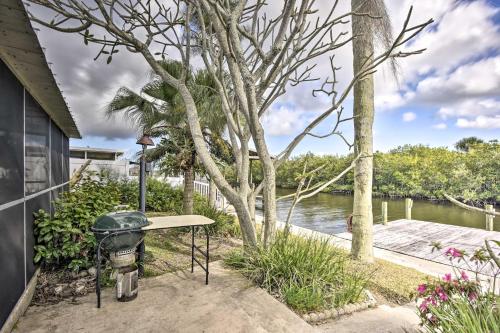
<point x="164" y="222"/>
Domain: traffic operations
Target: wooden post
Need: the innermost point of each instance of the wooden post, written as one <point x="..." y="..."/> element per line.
<point x="384" y="212"/>
<point x="489" y="218"/>
<point x="408" y="205"/>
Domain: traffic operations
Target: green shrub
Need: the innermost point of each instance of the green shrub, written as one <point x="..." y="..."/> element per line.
<point x="160" y="196"/>
<point x="306" y="273"/>
<point x="65" y="239"/>
<point x="225" y="224"/>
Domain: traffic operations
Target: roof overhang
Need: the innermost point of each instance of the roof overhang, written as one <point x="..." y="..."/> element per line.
<point x="21" y="51"/>
<point x="98" y="150"/>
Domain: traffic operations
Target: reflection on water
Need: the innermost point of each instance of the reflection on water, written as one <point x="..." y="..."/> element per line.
<point x="328" y="212"/>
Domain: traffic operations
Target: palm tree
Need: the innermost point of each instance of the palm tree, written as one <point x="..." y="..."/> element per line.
<point x="159" y="111"/>
<point x="365" y="30"/>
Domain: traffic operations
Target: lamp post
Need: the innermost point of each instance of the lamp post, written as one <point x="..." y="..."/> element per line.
<point x="145" y="141"/>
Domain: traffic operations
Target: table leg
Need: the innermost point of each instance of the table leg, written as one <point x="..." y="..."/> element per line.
<point x="207" y="253"/>
<point x="192" y="249"/>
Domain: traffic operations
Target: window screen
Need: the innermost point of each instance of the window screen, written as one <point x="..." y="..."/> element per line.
<point x="37" y="147"/>
<point x="65" y="159"/>
<point x="11" y="136"/>
<point x="56" y="154"/>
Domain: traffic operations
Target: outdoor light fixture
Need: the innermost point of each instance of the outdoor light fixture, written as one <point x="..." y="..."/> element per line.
<point x="144" y="141"/>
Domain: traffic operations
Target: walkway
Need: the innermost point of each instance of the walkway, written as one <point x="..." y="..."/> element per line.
<point x="176" y="302"/>
<point x="382" y="319"/>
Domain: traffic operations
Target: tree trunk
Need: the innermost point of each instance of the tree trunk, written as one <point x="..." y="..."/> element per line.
<point x="363" y="111"/>
<point x="212" y="193"/>
<point x="187" y="199"/>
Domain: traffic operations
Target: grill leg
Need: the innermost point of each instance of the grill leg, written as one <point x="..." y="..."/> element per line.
<point x="98" y="276"/>
<point x="141" y="248"/>
<point x="192" y="249"/>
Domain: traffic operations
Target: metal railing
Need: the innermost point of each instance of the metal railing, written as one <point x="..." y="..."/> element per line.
<point x="204" y="190"/>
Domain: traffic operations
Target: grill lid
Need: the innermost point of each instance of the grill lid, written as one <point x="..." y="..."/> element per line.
<point x="117" y="221"/>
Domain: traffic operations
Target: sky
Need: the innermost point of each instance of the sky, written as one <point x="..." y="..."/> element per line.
<point x="450" y="91"/>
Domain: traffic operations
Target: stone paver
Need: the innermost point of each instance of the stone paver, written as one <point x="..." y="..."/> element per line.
<point x="383" y="319"/>
<point x="178" y="302"/>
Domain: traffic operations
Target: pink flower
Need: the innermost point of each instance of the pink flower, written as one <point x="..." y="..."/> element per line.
<point x="421" y="288"/>
<point x="423" y="306"/>
<point x="453" y="252"/>
<point x="442" y="296"/>
<point x="472" y="296"/>
<point x="464" y="276"/>
<point x="430" y="300"/>
<point x="447" y="277"/>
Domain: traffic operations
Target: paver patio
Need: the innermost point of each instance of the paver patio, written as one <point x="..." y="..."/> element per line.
<point x="176" y="302"/>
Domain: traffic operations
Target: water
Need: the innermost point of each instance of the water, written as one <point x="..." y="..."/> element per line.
<point x="328" y="212"/>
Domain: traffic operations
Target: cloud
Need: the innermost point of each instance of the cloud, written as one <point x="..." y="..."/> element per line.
<point x="482" y="122"/>
<point x="470" y="108"/>
<point x="281" y="121"/>
<point x="89" y="85"/>
<point x="440" y="126"/>
<point x="459" y="73"/>
<point x="409" y="116"/>
<point x="473" y="113"/>
<point x="477" y="79"/>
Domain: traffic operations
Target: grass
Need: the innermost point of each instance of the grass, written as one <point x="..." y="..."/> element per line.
<point x="308" y="274"/>
<point x="170" y="250"/>
<point x="397" y="284"/>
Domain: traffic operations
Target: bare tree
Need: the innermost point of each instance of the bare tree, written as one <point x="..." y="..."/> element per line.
<point x="257" y="56"/>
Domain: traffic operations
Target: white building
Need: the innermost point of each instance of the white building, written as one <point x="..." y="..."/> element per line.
<point x="102" y="159"/>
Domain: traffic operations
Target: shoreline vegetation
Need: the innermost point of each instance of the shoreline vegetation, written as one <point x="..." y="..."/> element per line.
<point x="418" y="172"/>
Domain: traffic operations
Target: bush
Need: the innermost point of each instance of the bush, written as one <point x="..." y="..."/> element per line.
<point x="225" y="224"/>
<point x="65" y="240"/>
<point x="308" y="274"/>
<point x="160" y="196"/>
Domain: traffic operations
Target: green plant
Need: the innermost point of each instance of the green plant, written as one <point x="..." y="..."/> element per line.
<point x="306" y="273"/>
<point x="225" y="224"/>
<point x="460" y="315"/>
<point x="161" y="197"/>
<point x="65" y="239"/>
<point x="459" y="304"/>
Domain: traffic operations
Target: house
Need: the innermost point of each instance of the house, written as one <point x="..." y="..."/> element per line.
<point x="35" y="128"/>
<point x="102" y="159"/>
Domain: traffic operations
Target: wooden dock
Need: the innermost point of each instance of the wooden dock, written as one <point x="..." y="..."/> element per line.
<point x="414" y="238"/>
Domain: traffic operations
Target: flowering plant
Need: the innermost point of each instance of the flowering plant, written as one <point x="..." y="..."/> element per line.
<point x="458" y="303"/>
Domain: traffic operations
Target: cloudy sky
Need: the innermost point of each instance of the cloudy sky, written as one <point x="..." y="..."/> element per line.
<point x="449" y="92"/>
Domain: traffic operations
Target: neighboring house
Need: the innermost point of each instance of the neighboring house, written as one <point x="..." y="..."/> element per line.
<point x="35" y="128"/>
<point x="102" y="159"/>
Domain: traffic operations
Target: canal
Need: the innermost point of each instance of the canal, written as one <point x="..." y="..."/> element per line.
<point x="328" y="212"/>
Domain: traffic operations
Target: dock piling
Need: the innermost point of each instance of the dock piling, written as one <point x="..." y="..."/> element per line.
<point x="384" y="212"/>
<point x="408" y="206"/>
<point x="489" y="218"/>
